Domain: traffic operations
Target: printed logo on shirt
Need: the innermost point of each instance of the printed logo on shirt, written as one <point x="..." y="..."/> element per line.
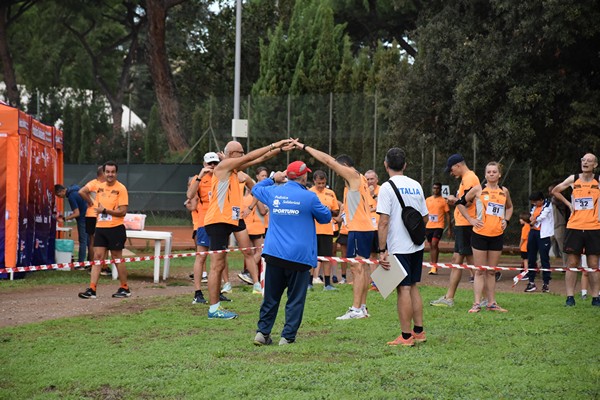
<point x="276" y="203"/>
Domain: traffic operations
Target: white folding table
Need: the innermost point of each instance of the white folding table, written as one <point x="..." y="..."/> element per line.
<point x="157" y="236"/>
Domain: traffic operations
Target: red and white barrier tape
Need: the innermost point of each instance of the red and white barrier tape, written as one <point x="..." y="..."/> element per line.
<point x="68" y="266"/>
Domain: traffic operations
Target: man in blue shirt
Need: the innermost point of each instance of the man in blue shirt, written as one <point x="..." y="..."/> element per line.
<point x="79" y="207"/>
<point x="290" y="248"/>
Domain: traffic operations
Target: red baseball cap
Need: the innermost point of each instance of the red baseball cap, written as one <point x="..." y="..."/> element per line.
<point x="296" y="170"/>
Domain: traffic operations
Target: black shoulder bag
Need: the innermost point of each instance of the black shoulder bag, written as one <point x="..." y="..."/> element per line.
<point x="413" y="220"/>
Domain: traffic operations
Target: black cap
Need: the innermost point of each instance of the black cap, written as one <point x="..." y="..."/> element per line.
<point x="453" y="160"/>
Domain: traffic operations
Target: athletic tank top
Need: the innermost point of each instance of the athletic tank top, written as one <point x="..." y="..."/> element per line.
<point x="254" y="223"/>
<point x="358" y="214"/>
<point x="226" y="201"/>
<point x="490" y="205"/>
<point x="468" y="181"/>
<point x="586" y="207"/>
<point x="204" y="195"/>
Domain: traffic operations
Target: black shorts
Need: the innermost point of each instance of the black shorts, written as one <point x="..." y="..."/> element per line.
<point x="413" y="264"/>
<point x="111" y="238"/>
<point x="256" y="237"/>
<point x="579" y="242"/>
<point x="342" y="240"/>
<point x="523" y="255"/>
<point x="90" y="225"/>
<point x="325" y="245"/>
<point x="462" y="240"/>
<point x="375" y="244"/>
<point x="219" y="234"/>
<point x="487" y="243"/>
<point x="434" y="233"/>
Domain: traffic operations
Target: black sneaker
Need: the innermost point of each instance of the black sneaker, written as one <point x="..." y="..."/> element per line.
<point x="334" y="279"/>
<point x="596" y="301"/>
<point x="88" y="294"/>
<point x="199" y="298"/>
<point x="545" y="288"/>
<point x="531" y="287"/>
<point x="498" y="275"/>
<point x="570" y="301"/>
<point x="106" y="272"/>
<point x="471" y="279"/>
<point x="122" y="293"/>
<point x="191" y="277"/>
<point x="223" y="298"/>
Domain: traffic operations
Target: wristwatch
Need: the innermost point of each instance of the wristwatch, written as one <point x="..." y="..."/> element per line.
<point x="381" y="250"/>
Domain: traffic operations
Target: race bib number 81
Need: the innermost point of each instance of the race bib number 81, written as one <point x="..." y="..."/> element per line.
<point x="495" y="209"/>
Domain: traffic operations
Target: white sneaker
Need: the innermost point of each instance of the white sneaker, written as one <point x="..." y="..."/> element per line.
<point x="365" y="311"/>
<point x="226" y="288"/>
<point x="342" y="281"/>
<point x="352" y="314"/>
<point x="204" y="279"/>
<point x="317" y="281"/>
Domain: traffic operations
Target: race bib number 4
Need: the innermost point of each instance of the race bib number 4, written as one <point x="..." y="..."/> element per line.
<point x="495" y="209"/>
<point x="583" y="203"/>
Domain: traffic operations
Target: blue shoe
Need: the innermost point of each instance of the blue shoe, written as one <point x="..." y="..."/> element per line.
<point x="334" y="279"/>
<point x="329" y="288"/>
<point x="221" y="313"/>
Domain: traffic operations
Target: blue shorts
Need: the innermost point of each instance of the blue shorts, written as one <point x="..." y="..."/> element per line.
<point x="202" y="238"/>
<point x="359" y="244"/>
<point x="413" y="264"/>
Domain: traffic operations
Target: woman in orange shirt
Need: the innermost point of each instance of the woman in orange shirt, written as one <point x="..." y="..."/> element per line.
<point x="494" y="209"/>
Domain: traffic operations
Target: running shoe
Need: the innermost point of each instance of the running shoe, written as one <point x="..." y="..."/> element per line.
<point x="342" y="281"/>
<point x="284" y="342"/>
<point x="365" y="311"/>
<point x="495" y="307"/>
<point x="245" y="277"/>
<point x="226" y="288"/>
<point x="400" y="341"/>
<point x="583" y="296"/>
<point x="106" y="272"/>
<point x="433" y="271"/>
<point x="442" y="302"/>
<point x="221" y="313"/>
<point x="471" y="279"/>
<point x="475" y="308"/>
<point x="88" y="294"/>
<point x="223" y="298"/>
<point x="257" y="289"/>
<point x="570" y="301"/>
<point x="373" y="288"/>
<point x="262" y="340"/>
<point x="483" y="303"/>
<point x="498" y="275"/>
<point x="531" y="287"/>
<point x="317" y="281"/>
<point x="199" y="298"/>
<point x="329" y="288"/>
<point x="334" y="279"/>
<point x="191" y="276"/>
<point x="419" y="337"/>
<point x="204" y="279"/>
<point x="352" y="314"/>
<point x="596" y="301"/>
<point x="545" y="288"/>
<point x="122" y="293"/>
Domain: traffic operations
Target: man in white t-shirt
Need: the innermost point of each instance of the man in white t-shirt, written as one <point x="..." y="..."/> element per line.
<point x="395" y="241"/>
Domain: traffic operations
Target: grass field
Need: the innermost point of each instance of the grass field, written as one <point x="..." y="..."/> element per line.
<point x="540" y="349"/>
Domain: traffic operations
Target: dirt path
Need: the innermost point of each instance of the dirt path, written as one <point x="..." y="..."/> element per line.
<point x="22" y="306"/>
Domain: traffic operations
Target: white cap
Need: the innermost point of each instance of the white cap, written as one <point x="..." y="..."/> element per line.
<point x="211" y="157"/>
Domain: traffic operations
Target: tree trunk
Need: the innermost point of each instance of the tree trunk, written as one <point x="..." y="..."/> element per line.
<point x="8" y="70"/>
<point x="164" y="87"/>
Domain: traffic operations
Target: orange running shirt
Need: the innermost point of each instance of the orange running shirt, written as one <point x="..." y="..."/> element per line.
<point x="254" y="224"/>
<point x="586" y="205"/>
<point x="373" y="205"/>
<point x="111" y="197"/>
<point x="93" y="188"/>
<point x="358" y="212"/>
<point x="329" y="200"/>
<point x="437" y="208"/>
<point x="469" y="181"/>
<point x="343" y="226"/>
<point x="524" y="237"/>
<point x="535" y="214"/>
<point x="204" y="194"/>
<point x="226" y="201"/>
<point x="491" y="206"/>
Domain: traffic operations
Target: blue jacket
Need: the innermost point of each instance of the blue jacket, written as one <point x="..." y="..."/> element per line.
<point x="76" y="201"/>
<point x="293" y="210"/>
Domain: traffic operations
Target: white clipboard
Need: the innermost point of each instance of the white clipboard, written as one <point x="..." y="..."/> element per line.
<point x="387" y="280"/>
